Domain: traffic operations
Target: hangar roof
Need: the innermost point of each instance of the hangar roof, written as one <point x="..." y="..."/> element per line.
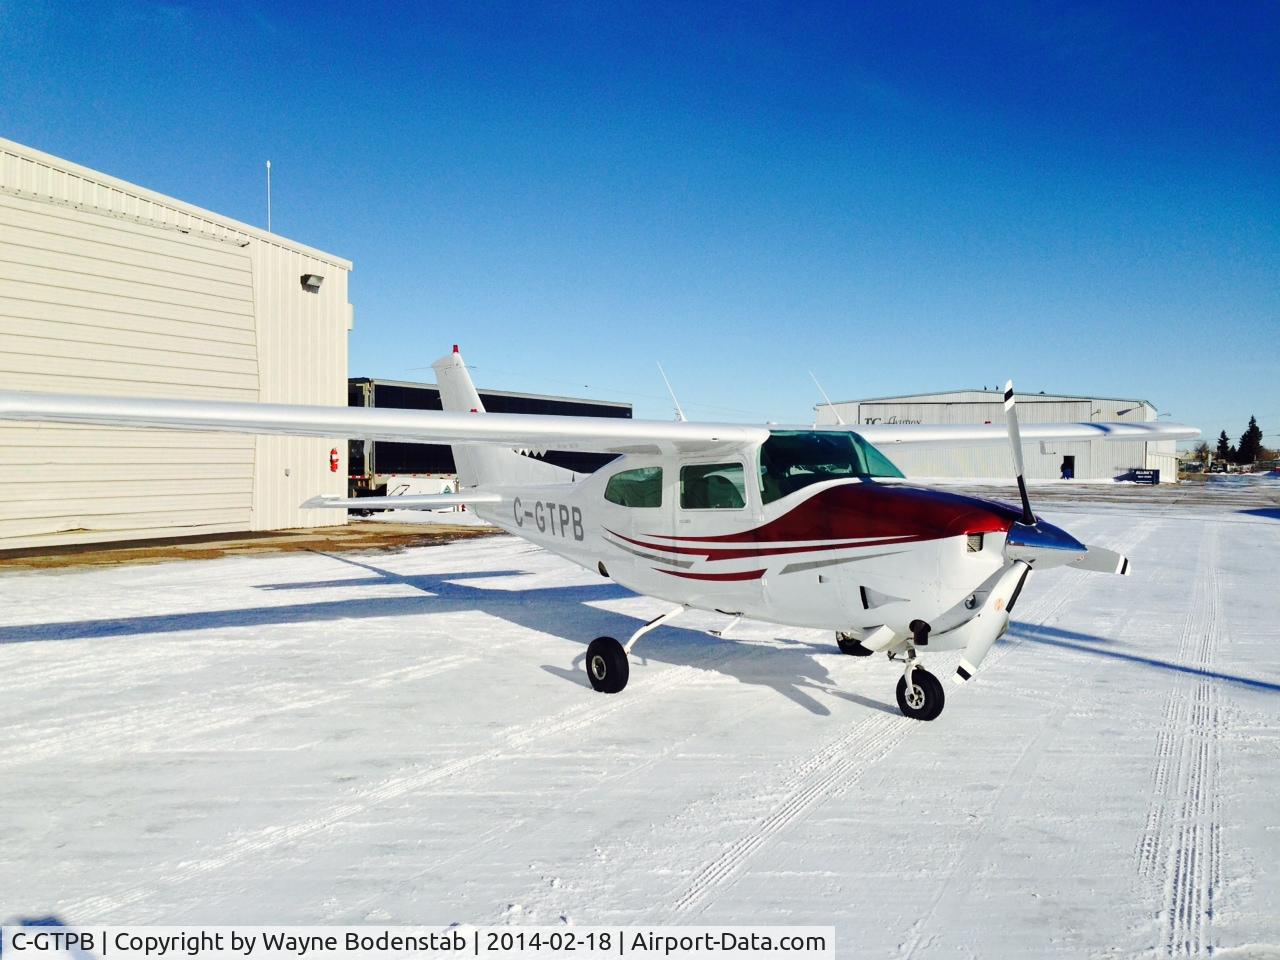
<point x="34" y="175"/>
<point x="980" y="395"/>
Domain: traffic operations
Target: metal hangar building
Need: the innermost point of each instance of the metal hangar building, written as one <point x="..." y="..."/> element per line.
<point x="109" y="288"/>
<point x="1086" y="459"/>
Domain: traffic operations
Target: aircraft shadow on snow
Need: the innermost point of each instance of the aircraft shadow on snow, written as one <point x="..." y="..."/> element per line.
<point x="1088" y="643"/>
<point x="1271" y="513"/>
<point x="790" y="668"/>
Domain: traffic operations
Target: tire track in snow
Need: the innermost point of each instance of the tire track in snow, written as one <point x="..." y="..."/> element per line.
<point x="266" y="839"/>
<point x="1180" y="846"/>
<point x="827" y="774"/>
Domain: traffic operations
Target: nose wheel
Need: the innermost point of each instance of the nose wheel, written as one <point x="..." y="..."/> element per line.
<point x="920" y="695"/>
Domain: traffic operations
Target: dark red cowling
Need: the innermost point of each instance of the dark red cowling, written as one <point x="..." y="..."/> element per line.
<point x="858" y="510"/>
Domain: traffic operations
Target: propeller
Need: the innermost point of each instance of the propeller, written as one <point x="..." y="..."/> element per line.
<point x="1029" y="543"/>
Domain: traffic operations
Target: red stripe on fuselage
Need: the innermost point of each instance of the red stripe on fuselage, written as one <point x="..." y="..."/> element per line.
<point x="742" y="575"/>
<point x="866" y="510"/>
<point x="761" y="549"/>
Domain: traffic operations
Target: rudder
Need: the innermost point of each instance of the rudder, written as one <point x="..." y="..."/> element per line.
<point x="482" y="464"/>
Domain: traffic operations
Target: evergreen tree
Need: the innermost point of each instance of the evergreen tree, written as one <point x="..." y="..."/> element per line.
<point x="1250" y="443"/>
<point x="1224" y="447"/>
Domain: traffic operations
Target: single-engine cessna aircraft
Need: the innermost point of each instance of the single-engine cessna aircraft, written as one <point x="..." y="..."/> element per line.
<point x="805" y="527"/>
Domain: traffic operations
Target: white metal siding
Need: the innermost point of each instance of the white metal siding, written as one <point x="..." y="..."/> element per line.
<point x="92" y="304"/>
<point x="1094" y="459"/>
<point x="302" y="346"/>
<point x="109" y="288"/>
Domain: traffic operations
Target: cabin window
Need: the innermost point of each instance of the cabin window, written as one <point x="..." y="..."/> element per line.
<point x="793" y="459"/>
<point x="713" y="486"/>
<point x="641" y="487"/>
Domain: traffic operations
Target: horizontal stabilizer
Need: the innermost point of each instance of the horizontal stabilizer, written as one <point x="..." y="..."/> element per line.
<point x="409" y="501"/>
<point x="1103" y="561"/>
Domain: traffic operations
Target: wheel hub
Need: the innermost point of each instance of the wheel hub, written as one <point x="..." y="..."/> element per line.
<point x="598" y="668"/>
<point x="915" y="697"/>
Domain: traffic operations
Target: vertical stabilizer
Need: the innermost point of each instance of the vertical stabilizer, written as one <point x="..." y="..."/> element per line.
<point x="483" y="464"/>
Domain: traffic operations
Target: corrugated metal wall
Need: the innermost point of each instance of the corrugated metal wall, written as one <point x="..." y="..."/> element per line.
<point x="302" y="344"/>
<point x="1094" y="459"/>
<point x="107" y="288"/>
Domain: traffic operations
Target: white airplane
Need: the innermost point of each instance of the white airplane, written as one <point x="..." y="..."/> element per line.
<point x="804" y="527"/>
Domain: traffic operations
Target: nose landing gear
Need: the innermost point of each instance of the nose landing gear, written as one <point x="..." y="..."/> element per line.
<point x="920" y="694"/>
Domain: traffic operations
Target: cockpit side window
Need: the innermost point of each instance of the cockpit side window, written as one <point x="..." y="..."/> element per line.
<point x="878" y="465"/>
<point x="793" y="459"/>
<point x="713" y="486"/>
<point x="641" y="487"/>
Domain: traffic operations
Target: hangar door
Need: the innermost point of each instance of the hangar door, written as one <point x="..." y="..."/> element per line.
<point x="92" y="303"/>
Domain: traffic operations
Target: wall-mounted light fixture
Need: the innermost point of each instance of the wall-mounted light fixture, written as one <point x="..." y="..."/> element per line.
<point x="311" y="282"/>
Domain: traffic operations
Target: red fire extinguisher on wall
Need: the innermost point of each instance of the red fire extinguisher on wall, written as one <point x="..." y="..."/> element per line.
<point x="333" y="460"/>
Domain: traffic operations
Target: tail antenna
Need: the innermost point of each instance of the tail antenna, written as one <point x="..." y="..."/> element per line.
<point x="679" y="412"/>
<point x="830" y="406"/>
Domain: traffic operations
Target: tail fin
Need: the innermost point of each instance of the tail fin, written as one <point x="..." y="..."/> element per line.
<point x="480" y="464"/>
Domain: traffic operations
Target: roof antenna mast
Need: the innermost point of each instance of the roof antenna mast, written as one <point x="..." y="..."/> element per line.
<point x="268" y="196"/>
<point x="679" y="413"/>
<point x="830" y="406"/>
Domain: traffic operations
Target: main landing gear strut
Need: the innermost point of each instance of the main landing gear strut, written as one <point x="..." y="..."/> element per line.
<point x="607" y="666"/>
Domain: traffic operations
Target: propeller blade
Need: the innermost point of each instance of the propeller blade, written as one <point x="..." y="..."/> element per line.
<point x="1103" y="560"/>
<point x="990" y="623"/>
<point x="1015" y="440"/>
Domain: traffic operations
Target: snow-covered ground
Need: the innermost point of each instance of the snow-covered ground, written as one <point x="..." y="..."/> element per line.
<point x="409" y="737"/>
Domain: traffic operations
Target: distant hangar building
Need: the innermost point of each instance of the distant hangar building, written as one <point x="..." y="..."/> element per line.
<point x="109" y="288"/>
<point x="1086" y="459"/>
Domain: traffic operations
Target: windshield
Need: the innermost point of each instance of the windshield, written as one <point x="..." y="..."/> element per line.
<point x="793" y="459"/>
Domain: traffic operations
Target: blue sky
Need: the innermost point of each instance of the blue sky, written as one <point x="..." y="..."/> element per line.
<point x="900" y="198"/>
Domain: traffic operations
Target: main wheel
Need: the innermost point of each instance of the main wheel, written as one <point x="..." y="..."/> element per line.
<point x="607" y="665"/>
<point x="924" y="699"/>
<point x="848" y="645"/>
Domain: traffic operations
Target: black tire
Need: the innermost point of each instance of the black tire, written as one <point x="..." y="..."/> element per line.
<point x="850" y="646"/>
<point x="607" y="665"/>
<point x="926" y="700"/>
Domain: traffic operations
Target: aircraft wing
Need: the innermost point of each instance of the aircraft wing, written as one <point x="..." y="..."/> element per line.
<point x="519" y="431"/>
<point x="887" y="435"/>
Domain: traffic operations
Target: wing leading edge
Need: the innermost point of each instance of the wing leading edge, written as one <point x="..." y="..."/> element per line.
<point x="524" y="431"/>
<point x="520" y="431"/>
